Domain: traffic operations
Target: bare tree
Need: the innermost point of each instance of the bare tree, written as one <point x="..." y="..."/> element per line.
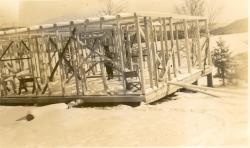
<point x="212" y="12"/>
<point x="192" y="7"/>
<point x="113" y="7"/>
<point x="199" y="8"/>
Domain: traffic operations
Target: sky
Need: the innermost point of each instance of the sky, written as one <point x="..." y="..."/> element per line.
<point x="31" y="12"/>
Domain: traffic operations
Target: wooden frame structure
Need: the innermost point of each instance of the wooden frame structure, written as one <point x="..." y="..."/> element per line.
<point x="66" y="60"/>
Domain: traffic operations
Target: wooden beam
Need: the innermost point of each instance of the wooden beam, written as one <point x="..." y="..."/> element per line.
<point x="163" y="56"/>
<point x="198" y="42"/>
<point x="15" y="59"/>
<point x="140" y="54"/>
<point x="34" y="55"/>
<point x="47" y="66"/>
<point x="187" y="46"/>
<point x="172" y="46"/>
<point x="142" y="34"/>
<point x="66" y="99"/>
<point x="166" y="48"/>
<point x="32" y="63"/>
<point x="177" y="45"/>
<point x="208" y="38"/>
<point x="149" y="52"/>
<point x="38" y="54"/>
<point x="61" y="67"/>
<point x="74" y="64"/>
<point x="43" y="56"/>
<point x="49" y="47"/>
<point x="153" y="52"/>
<point x="193" y="88"/>
<point x="120" y="51"/>
<point x="130" y="52"/>
<point x="104" y="80"/>
<point x="5" y="51"/>
<point x="81" y="70"/>
<point x="77" y="58"/>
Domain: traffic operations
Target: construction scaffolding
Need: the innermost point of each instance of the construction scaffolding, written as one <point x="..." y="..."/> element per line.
<point x="122" y="58"/>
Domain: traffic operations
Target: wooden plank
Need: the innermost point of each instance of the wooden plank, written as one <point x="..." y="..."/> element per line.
<point x="130" y="52"/>
<point x="5" y="51"/>
<point x="172" y="46"/>
<point x="149" y="52"/>
<point x="155" y="42"/>
<point x="177" y="45"/>
<point x="187" y="46"/>
<point x="125" y="58"/>
<point x="193" y="88"/>
<point x="206" y="88"/>
<point x="120" y="51"/>
<point x="81" y="70"/>
<point x="15" y="59"/>
<point x="163" y="57"/>
<point x="35" y="55"/>
<point x="153" y="52"/>
<point x="44" y="59"/>
<point x="74" y="65"/>
<point x="166" y="47"/>
<point x="140" y="54"/>
<point x="38" y="50"/>
<point x="47" y="66"/>
<point x="104" y="80"/>
<point x="32" y="63"/>
<point x="198" y="42"/>
<point x="48" y="46"/>
<point x="11" y="54"/>
<point x="61" y="71"/>
<point x="208" y="39"/>
<point x="66" y="99"/>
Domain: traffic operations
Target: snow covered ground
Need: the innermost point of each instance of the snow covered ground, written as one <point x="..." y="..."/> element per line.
<point x="186" y="119"/>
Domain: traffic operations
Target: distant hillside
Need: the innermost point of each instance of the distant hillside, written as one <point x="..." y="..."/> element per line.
<point x="238" y="26"/>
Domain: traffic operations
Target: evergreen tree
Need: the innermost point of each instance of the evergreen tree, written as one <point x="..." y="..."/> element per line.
<point x="222" y="60"/>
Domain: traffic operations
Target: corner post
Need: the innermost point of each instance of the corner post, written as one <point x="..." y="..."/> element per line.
<point x="149" y="52"/>
<point x="210" y="80"/>
<point x="210" y="75"/>
<point x="140" y="53"/>
<point x="208" y="39"/>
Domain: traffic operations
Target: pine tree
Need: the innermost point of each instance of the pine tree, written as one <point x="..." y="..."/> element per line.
<point x="222" y="60"/>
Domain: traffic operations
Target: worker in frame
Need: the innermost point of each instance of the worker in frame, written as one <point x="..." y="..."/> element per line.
<point x="108" y="64"/>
